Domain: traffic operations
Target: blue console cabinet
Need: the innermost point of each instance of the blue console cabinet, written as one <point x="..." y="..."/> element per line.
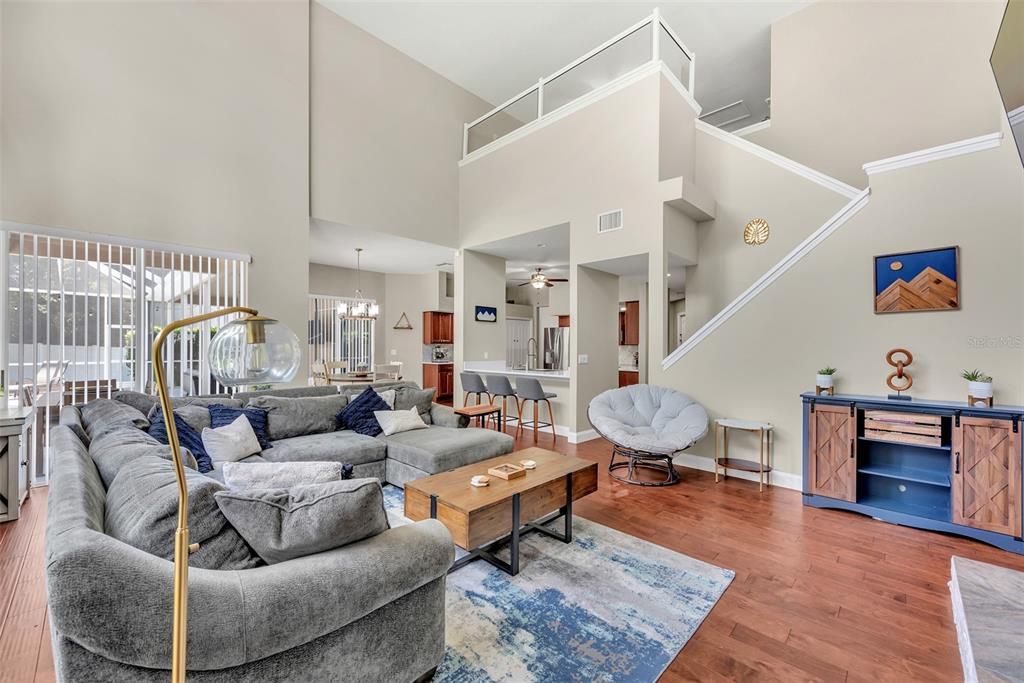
<point x="952" y="467"/>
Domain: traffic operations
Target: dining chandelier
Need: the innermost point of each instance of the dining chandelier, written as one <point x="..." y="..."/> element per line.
<point x="358" y="307"/>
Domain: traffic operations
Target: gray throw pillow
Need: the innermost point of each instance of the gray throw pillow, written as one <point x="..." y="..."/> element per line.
<point x="288" y="417"/>
<point x="278" y="475"/>
<point x="136" y="399"/>
<point x="142" y="510"/>
<point x="101" y="414"/>
<point x="282" y="524"/>
<point x="120" y="444"/>
<point x="224" y="400"/>
<point x="407" y="397"/>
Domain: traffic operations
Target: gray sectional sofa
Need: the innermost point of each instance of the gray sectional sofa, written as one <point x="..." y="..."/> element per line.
<point x="371" y="611"/>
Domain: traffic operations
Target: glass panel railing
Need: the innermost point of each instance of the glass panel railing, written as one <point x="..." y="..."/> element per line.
<point x="616" y="60"/>
<point x="502" y="121"/>
<point x="674" y="57"/>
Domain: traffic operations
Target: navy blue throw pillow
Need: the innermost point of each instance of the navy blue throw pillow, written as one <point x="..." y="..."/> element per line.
<point x="358" y="414"/>
<point x="222" y="415"/>
<point x="187" y="436"/>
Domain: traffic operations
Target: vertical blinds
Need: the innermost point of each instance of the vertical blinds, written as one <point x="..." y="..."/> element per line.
<point x="332" y="339"/>
<point x="82" y="316"/>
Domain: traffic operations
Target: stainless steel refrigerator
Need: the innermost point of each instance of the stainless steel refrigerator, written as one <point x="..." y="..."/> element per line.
<point x="556" y="348"/>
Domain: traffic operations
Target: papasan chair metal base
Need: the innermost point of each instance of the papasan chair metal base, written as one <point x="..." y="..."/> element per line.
<point x="646" y="426"/>
<point x="635" y="460"/>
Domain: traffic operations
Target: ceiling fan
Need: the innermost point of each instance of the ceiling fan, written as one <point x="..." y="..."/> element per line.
<point x="539" y="280"/>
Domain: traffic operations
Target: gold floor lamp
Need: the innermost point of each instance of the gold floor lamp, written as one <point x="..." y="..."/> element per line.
<point x="249" y="350"/>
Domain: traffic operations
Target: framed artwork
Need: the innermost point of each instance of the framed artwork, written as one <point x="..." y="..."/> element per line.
<point x="486" y="314"/>
<point x="918" y="281"/>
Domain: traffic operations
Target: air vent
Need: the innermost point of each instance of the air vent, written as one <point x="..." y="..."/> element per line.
<point x="607" y="222"/>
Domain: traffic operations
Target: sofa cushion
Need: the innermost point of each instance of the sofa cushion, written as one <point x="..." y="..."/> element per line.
<point x="142" y="509"/>
<point x="278" y="475"/>
<point x="136" y="399"/>
<point x="422" y="399"/>
<point x="439" y="449"/>
<point x="343" y="446"/>
<point x="217" y="473"/>
<point x="359" y="416"/>
<point x="121" y="444"/>
<point x="222" y="415"/>
<point x="282" y="524"/>
<point x="188" y="436"/>
<point x="289" y="417"/>
<point x="103" y="413"/>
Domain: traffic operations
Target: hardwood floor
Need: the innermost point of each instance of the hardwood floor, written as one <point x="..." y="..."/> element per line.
<point x="818" y="594"/>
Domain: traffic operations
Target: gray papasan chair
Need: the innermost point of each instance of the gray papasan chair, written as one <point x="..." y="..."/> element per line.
<point x="647" y="425"/>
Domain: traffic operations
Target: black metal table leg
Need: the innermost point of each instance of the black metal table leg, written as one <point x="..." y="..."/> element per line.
<point x="514" y="548"/>
<point x="433" y="507"/>
<point x="567" y="510"/>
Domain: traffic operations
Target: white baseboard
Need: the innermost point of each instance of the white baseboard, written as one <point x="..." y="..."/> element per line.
<point x="776" y="478"/>
<point x="575" y="437"/>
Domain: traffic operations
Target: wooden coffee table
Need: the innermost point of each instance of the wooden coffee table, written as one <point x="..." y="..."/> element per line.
<point x="485" y="518"/>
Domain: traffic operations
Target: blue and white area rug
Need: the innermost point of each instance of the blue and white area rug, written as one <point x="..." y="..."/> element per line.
<point x="606" y="607"/>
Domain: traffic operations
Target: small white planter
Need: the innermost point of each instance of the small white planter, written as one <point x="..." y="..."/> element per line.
<point x="980" y="389"/>
<point x="824" y="381"/>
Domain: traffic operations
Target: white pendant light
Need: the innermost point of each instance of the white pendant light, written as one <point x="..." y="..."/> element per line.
<point x="359" y="307"/>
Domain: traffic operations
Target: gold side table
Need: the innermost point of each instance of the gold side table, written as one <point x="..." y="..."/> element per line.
<point x="763" y="467"/>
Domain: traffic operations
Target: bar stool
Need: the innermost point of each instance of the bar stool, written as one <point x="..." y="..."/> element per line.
<point x="529" y="389"/>
<point x="472" y="383"/>
<point x="498" y="385"/>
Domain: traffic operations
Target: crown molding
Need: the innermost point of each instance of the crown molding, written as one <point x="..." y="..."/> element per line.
<point x="924" y="156"/>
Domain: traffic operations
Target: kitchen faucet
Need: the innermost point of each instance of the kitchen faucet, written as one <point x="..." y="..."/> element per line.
<point x="531" y="354"/>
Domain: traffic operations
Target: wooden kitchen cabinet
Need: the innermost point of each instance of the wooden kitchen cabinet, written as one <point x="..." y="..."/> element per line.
<point x="439" y="376"/>
<point x="629" y="324"/>
<point x="563" y="321"/>
<point x="832" y="452"/>
<point x="438" y="327"/>
<point x="986" y="475"/>
<point x="629" y="377"/>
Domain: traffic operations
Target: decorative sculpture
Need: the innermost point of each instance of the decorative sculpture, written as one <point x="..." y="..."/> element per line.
<point x="899" y="380"/>
<point x="756" y="232"/>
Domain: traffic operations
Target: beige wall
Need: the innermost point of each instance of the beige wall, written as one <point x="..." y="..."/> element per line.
<point x="821" y="311"/>
<point x="178" y="122"/>
<point x="1008" y="56"/>
<point x="595" y="335"/>
<point x="854" y="82"/>
<point x="386" y="135"/>
<point x="334" y="281"/>
<point x="412" y="295"/>
<point x="479" y="281"/>
<point x="746" y="187"/>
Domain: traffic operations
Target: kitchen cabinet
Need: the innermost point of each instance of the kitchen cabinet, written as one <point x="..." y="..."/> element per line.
<point x="563" y="321"/>
<point x="438" y="327"/>
<point x="629" y="324"/>
<point x="629" y="377"/>
<point x="439" y="376"/>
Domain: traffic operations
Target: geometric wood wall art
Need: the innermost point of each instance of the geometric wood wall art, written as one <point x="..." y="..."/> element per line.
<point x="918" y="281"/>
<point x="756" y="231"/>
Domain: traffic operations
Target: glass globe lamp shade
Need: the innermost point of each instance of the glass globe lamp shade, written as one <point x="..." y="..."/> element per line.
<point x="254" y="350"/>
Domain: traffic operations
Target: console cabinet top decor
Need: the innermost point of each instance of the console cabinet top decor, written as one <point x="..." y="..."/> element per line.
<point x="938" y="465"/>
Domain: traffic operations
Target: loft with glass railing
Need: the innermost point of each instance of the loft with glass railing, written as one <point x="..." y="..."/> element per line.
<point x="647" y="42"/>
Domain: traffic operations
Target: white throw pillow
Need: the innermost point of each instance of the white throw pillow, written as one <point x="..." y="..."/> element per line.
<point x="388" y="397"/>
<point x="231" y="442"/>
<point x="279" y="475"/>
<point x="397" y="421"/>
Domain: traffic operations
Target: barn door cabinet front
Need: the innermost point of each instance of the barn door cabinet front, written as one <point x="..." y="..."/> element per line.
<point x="986" y="475"/>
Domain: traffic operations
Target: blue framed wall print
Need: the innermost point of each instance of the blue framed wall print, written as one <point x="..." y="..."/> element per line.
<point x="486" y="314"/>
<point x="918" y="281"/>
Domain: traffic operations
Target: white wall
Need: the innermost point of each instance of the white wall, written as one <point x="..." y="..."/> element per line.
<point x="177" y="122"/>
<point x="853" y="82"/>
<point x="821" y="311"/>
<point x="386" y="135"/>
<point x="412" y="295"/>
<point x="479" y="281"/>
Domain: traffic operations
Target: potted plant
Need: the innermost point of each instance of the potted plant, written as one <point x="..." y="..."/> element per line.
<point x="979" y="386"/>
<point x="825" y="379"/>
